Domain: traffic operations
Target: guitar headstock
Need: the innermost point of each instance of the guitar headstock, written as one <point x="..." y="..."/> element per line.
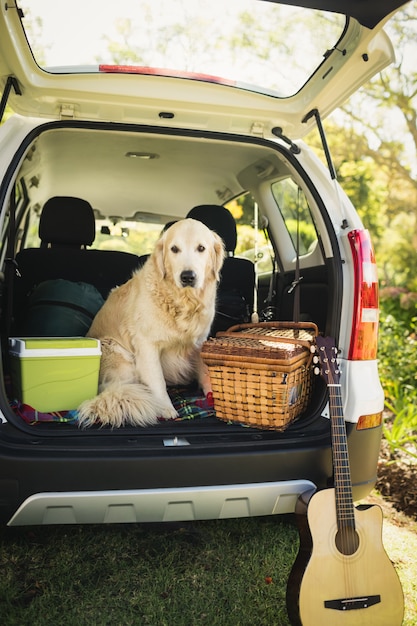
<point x="326" y="356"/>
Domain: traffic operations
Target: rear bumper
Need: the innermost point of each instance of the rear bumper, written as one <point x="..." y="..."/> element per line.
<point x="124" y="480"/>
<point x="160" y="505"/>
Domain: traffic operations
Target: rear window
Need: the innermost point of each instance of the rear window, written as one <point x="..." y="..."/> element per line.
<point x="136" y="237"/>
<point x="255" y="45"/>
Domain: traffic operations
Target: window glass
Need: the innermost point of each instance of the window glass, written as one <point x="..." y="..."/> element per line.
<point x="32" y="237"/>
<point x="252" y="243"/>
<point x="295" y="210"/>
<point x="127" y="236"/>
<point x="261" y="46"/>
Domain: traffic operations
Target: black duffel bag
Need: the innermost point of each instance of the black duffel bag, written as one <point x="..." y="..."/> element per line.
<point x="61" y="308"/>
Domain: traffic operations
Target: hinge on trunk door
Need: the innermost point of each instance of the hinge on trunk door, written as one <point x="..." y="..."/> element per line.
<point x="67" y="111"/>
<point x="278" y="132"/>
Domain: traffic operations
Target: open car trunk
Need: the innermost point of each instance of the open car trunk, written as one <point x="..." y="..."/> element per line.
<point x="254" y="161"/>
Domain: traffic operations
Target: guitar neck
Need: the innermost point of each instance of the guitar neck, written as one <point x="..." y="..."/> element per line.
<point x="342" y="478"/>
<point x="341" y="574"/>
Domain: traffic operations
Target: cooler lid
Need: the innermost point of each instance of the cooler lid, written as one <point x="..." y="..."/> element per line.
<point x="54" y="346"/>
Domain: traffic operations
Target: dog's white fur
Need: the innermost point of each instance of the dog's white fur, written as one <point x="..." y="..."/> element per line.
<point x="152" y="328"/>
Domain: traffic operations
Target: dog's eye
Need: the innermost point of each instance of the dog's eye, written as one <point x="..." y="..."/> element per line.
<point x="201" y="248"/>
<point x="175" y="249"/>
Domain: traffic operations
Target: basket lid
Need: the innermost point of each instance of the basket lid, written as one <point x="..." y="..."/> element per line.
<point x="270" y="341"/>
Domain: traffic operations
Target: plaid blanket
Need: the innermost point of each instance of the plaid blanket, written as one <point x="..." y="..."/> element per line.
<point x="189" y="402"/>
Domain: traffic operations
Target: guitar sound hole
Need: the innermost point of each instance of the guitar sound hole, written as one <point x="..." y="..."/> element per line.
<point x="347" y="540"/>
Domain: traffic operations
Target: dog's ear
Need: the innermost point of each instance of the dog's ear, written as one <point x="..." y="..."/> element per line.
<point x="218" y="255"/>
<point x="159" y="256"/>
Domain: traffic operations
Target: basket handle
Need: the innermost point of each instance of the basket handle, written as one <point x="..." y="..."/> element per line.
<point x="235" y="331"/>
<point x="293" y="340"/>
<point x="277" y="325"/>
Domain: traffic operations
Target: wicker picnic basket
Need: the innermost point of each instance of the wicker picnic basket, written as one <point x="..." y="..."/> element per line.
<point x="261" y="374"/>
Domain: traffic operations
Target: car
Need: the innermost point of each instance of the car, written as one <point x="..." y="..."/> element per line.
<point x="119" y="123"/>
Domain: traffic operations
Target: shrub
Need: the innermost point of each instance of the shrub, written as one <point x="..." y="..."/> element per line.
<point x="398" y="369"/>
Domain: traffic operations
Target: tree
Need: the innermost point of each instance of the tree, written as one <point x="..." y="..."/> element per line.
<point x="374" y="147"/>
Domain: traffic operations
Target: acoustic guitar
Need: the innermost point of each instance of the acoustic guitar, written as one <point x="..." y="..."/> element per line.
<point x="342" y="574"/>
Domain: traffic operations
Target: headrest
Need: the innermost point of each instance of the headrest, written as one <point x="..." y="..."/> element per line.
<point x="67" y="221"/>
<point x="219" y="219"/>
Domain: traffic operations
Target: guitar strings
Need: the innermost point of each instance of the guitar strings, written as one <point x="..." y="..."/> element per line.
<point x="344" y="501"/>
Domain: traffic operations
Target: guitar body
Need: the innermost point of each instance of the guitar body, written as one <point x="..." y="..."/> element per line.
<point x="342" y="587"/>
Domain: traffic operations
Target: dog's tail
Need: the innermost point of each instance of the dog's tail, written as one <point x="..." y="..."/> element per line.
<point x="118" y="405"/>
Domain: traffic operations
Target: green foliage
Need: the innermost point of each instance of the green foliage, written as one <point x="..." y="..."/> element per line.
<point x="307" y="234"/>
<point x="398" y="311"/>
<point x="243" y="209"/>
<point x="400" y="431"/>
<point x="396" y="254"/>
<point x="398" y="372"/>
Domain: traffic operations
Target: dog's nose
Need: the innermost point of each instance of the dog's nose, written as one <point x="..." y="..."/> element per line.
<point x="188" y="278"/>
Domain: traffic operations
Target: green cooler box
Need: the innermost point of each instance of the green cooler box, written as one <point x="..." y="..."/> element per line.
<point x="54" y="373"/>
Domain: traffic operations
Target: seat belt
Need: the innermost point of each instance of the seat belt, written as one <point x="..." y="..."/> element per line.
<point x="270" y="312"/>
<point x="295" y="285"/>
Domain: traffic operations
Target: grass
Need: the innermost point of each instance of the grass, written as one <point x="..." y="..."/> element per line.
<point x="220" y="573"/>
<point x="400" y="541"/>
<point x="230" y="572"/>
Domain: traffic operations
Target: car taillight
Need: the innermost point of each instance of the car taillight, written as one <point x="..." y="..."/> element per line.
<point x="364" y="337"/>
<point x="373" y="420"/>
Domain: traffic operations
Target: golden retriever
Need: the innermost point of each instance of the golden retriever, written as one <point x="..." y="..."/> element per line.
<point x="151" y="329"/>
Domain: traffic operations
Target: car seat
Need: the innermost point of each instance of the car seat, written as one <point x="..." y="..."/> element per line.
<point x="66" y="228"/>
<point x="237" y="282"/>
<point x="67" y="222"/>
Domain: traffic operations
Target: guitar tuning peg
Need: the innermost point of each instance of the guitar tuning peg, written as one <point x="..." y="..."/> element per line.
<point x="312" y="349"/>
<point x="316" y="359"/>
<point x="316" y="371"/>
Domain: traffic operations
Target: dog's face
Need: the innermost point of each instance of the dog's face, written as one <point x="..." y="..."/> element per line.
<point x="190" y="254"/>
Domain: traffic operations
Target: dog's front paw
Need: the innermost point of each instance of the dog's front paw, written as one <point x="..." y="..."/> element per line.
<point x="168" y="413"/>
<point x="88" y="413"/>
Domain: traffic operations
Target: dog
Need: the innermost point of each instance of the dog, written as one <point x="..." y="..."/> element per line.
<point x="152" y="327"/>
